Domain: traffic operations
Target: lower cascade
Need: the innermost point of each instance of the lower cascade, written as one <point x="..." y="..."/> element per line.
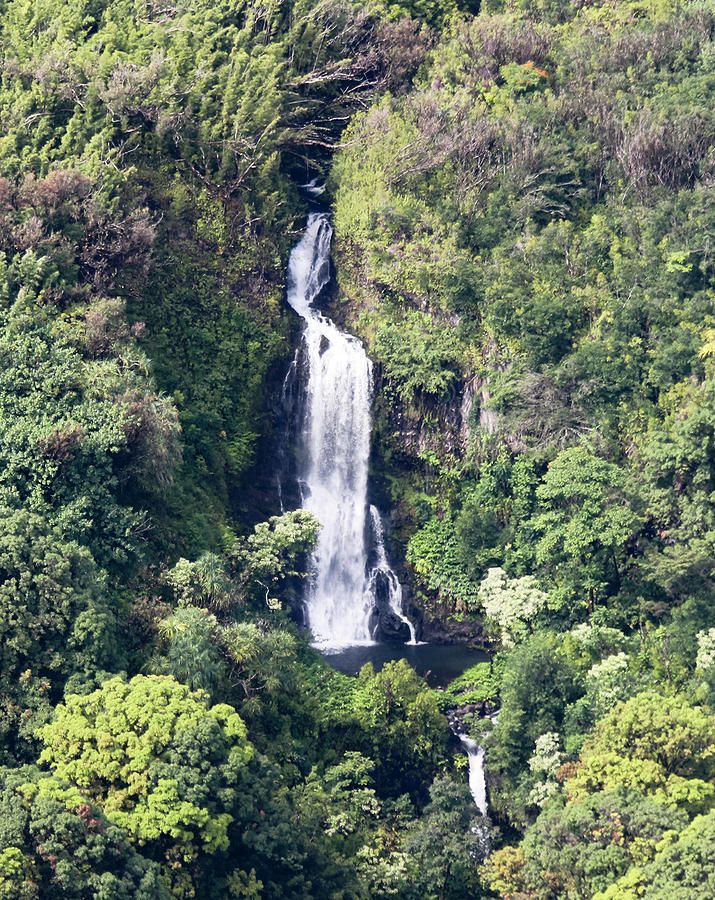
<point x="477" y="781"/>
<point x="350" y="566"/>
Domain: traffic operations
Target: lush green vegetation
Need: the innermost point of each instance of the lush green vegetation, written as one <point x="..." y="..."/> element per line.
<point x="524" y="244"/>
<point x="523" y="204"/>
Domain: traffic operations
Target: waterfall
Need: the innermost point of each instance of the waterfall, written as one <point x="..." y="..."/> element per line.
<point x="477" y="782"/>
<point x="313" y="188"/>
<point x="382" y="569"/>
<point x="334" y="448"/>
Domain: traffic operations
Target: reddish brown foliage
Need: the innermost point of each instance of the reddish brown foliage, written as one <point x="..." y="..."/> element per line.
<point x="60" y="445"/>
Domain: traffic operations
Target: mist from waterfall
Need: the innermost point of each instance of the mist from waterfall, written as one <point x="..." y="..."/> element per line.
<point x="333" y="453"/>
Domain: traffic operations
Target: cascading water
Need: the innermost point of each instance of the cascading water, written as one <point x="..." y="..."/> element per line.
<point x="477" y="781"/>
<point x="476" y="757"/>
<point x="382" y="570"/>
<point x="334" y="438"/>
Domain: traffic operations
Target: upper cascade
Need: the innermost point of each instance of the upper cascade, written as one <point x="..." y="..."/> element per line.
<point x="334" y="439"/>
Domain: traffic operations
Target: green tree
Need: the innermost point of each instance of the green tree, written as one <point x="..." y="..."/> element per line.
<point x="446" y="843"/>
<point x="660" y="745"/>
<point x="350" y="799"/>
<point x="608" y="682"/>
<point x="79" y="420"/>
<point x="261" y="663"/>
<point x="401" y="724"/>
<point x="157" y="759"/>
<point x="205" y="582"/>
<point x="266" y="558"/>
<point x="55" y="842"/>
<point x="580" y="848"/>
<point x="191" y="654"/>
<point x="420" y="356"/>
<point x="537" y="686"/>
<point x="679" y="480"/>
<point x="55" y="621"/>
<point x="682" y="869"/>
<point x="584" y="525"/>
<point x="254" y="567"/>
<point x="545" y="762"/>
<point x="511" y="604"/>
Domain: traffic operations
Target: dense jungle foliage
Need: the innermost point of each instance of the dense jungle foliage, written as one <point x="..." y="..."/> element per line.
<point x="522" y="196"/>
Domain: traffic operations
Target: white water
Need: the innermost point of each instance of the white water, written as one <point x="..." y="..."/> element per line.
<point x="336" y="428"/>
<point x="477" y="781"/>
<point x="313" y="188"/>
<point x="382" y="568"/>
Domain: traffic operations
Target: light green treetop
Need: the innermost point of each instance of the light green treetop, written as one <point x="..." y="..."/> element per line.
<point x="511" y="603"/>
<point x="706" y="649"/>
<point x="158" y="760"/>
<point x="659" y="745"/>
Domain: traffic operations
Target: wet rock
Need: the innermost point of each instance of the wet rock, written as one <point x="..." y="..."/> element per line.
<point x="390" y="627"/>
<point x="440" y="627"/>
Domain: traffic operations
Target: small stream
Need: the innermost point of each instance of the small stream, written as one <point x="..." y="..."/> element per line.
<point x="477" y="781"/>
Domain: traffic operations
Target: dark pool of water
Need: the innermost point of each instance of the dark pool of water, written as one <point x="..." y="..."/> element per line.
<point x="437" y="663"/>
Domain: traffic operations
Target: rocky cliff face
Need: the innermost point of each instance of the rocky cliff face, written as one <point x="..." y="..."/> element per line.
<point x="412" y="441"/>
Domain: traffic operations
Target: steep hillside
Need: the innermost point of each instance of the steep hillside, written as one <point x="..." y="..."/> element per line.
<point x="524" y="243"/>
<point x="522" y="198"/>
